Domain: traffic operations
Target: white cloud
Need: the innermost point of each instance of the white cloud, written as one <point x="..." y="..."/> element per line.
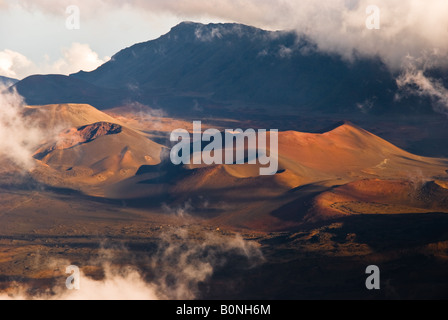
<point x="417" y="28"/>
<point x="13" y="64"/>
<point x="74" y="58"/>
<point x="407" y="26"/>
<point x="126" y="286"/>
<point x="77" y="57"/>
<point x="19" y="136"/>
<point x="414" y="81"/>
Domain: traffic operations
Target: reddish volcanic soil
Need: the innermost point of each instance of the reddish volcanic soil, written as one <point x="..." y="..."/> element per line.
<point x="341" y="200"/>
<point x="321" y="175"/>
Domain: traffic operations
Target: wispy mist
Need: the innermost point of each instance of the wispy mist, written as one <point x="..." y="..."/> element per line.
<point x="19" y="136"/>
<point x="413" y="81"/>
<point x="181" y="261"/>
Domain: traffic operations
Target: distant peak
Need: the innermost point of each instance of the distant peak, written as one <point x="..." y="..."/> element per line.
<point x="213" y="30"/>
<point x="335" y="126"/>
<point x="209" y="25"/>
<point x="188" y="23"/>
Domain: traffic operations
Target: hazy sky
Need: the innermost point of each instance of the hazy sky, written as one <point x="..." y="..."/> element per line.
<point x="34" y="37"/>
<point x="35" y="40"/>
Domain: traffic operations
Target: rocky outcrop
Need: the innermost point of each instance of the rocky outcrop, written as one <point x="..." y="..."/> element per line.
<point x="77" y="136"/>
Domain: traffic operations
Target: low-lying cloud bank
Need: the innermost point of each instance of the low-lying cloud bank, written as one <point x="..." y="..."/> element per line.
<point x="174" y="271"/>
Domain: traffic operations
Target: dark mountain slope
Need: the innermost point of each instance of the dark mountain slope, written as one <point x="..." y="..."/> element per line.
<point x="7" y="81"/>
<point x="58" y="89"/>
<point x="227" y="64"/>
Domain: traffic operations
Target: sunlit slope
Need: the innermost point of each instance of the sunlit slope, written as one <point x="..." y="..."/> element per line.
<point x="342" y="155"/>
<point x="311" y="166"/>
<point x="349" y="152"/>
<point x="378" y="196"/>
<point x="89" y="148"/>
<point x="63" y="116"/>
<point x="344" y="171"/>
